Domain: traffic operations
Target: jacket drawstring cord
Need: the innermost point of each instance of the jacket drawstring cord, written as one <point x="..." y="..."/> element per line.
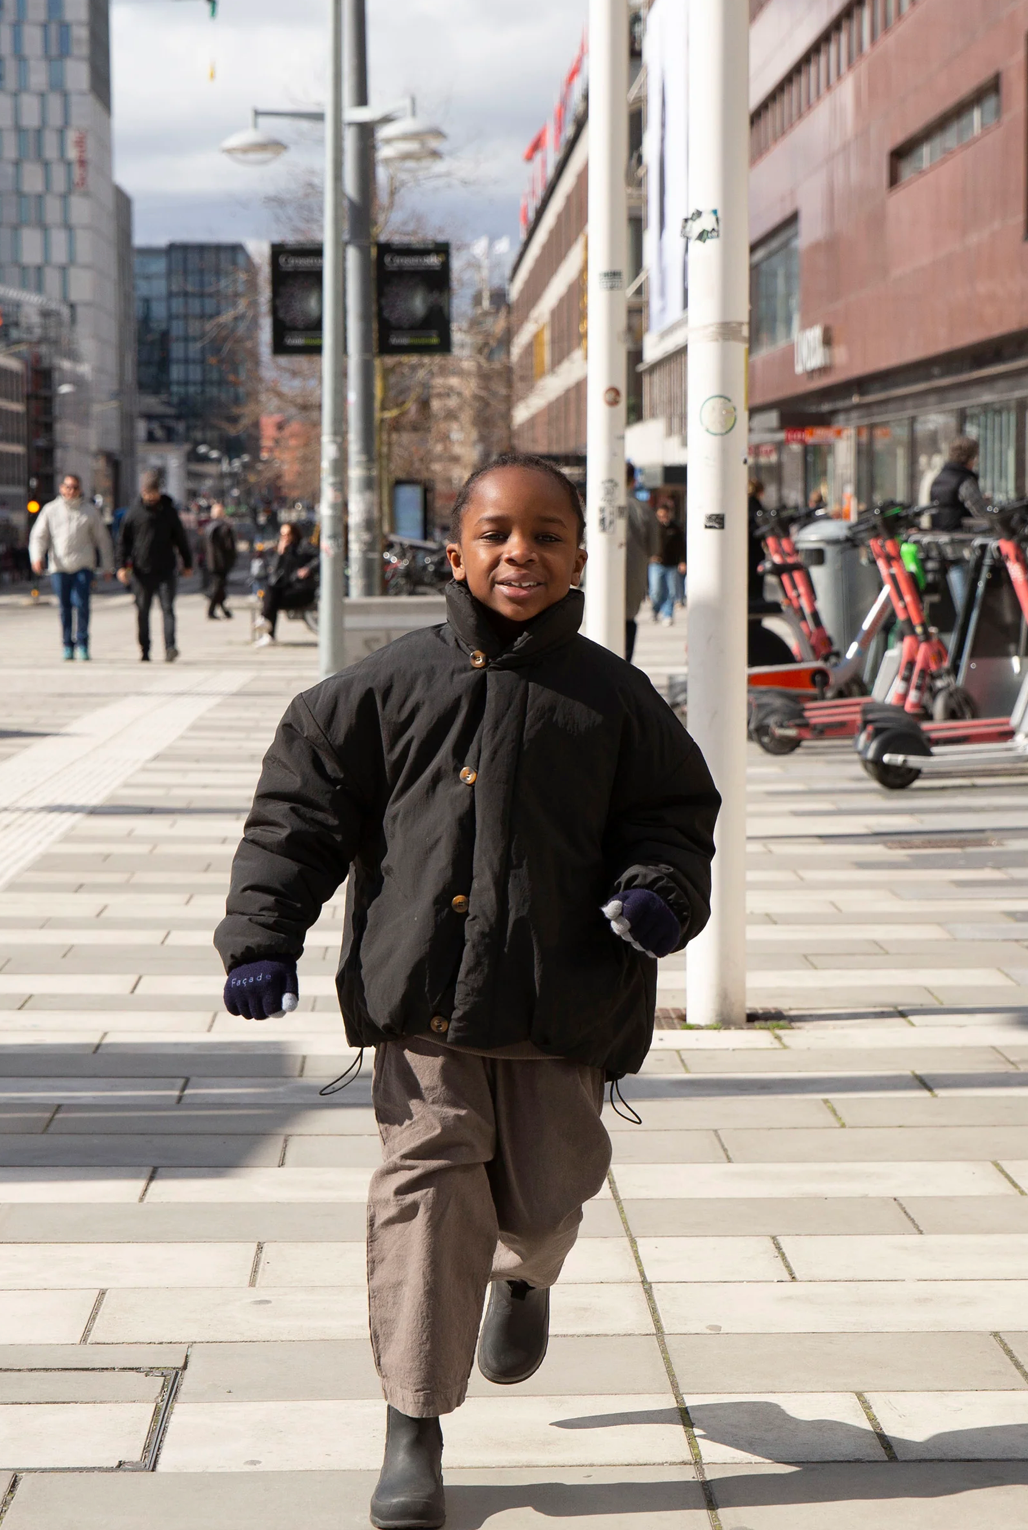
<point x="616" y="1097"/>
<point x="344" y="1079"/>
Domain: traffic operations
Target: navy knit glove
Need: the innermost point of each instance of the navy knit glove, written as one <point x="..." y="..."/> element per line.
<point x="262" y="990"/>
<point x="645" y="921"/>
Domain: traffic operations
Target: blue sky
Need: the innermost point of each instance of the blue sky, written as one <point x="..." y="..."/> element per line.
<point x="487" y="73"/>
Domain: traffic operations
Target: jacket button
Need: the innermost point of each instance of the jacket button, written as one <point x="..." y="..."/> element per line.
<point x="469" y="776"/>
<point x="440" y="1025"/>
<point x="459" y="904"/>
<point x="478" y="659"/>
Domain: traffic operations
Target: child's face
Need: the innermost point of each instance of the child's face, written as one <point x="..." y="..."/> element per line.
<point x="518" y="548"/>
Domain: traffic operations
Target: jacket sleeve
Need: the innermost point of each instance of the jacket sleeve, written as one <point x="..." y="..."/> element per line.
<point x="41" y="536"/>
<point x="102" y="542"/>
<point x="124" y="557"/>
<point x="314" y="802"/>
<point x="179" y="538"/>
<point x="661" y="834"/>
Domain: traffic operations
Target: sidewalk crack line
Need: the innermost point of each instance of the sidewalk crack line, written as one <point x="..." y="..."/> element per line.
<point x="658" y="1328"/>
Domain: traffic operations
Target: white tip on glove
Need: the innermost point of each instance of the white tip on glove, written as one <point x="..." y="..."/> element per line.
<point x="620" y="925"/>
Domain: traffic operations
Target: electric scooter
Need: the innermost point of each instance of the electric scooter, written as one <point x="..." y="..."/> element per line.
<point x="896" y="750"/>
<point x="923" y="680"/>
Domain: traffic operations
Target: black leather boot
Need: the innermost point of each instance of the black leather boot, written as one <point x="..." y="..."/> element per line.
<point x="516" y="1331"/>
<point x="409" y="1495"/>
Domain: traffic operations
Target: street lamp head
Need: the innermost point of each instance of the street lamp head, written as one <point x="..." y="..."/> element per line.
<point x="252" y="147"/>
<point x="408" y="138"/>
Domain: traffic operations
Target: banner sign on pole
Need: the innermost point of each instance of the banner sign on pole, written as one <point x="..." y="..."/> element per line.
<point x="666" y="150"/>
<point x="413" y="299"/>
<point x="296" y="298"/>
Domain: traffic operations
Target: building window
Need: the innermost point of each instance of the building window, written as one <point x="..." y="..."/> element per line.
<point x="55" y="10"/>
<point x="995" y="430"/>
<point x="775" y="289"/>
<point x="947" y="134"/>
<point x="23" y="74"/>
<point x="17" y="38"/>
<point x="56" y="73"/>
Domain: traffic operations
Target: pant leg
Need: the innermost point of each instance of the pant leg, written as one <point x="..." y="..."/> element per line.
<point x="270" y="607"/>
<point x="552" y="1155"/>
<point x="432" y="1228"/>
<point x="631" y="628"/>
<point x="670" y="591"/>
<point x="166" y="591"/>
<point x="81" y="587"/>
<point x="958" y="578"/>
<point x="655" y="580"/>
<point x="62" y="589"/>
<point x="144" y="594"/>
<point x="217" y="593"/>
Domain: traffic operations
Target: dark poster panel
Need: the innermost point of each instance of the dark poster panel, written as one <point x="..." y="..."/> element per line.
<point x="296" y="292"/>
<point x="413" y="299"/>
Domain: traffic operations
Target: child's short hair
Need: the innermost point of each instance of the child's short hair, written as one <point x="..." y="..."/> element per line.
<point x="516" y="460"/>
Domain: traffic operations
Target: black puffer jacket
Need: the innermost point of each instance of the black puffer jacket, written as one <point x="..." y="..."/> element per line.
<point x="490" y="798"/>
<point x="150" y="535"/>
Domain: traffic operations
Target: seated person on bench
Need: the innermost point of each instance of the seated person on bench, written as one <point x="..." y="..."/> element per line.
<point x="292" y="580"/>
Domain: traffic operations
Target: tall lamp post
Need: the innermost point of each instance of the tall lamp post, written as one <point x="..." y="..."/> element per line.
<point x="404" y="137"/>
<point x="607" y="363"/>
<point x="718" y="230"/>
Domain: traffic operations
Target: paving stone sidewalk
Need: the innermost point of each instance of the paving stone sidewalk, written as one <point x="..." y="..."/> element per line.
<point x="802" y="1299"/>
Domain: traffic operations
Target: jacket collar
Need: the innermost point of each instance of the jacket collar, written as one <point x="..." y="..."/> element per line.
<point x="473" y="629"/>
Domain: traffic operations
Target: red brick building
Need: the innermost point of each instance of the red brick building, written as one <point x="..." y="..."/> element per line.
<point x="889" y="212"/>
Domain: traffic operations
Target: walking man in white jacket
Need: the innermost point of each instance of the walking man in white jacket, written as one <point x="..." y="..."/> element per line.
<point x="71" y="531"/>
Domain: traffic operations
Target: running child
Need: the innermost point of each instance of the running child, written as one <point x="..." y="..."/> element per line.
<point x="526" y="826"/>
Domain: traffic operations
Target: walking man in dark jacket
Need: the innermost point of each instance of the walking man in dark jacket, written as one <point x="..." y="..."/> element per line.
<point x="956" y="494"/>
<point x="220" y="547"/>
<point x="526" y="826"/>
<point x="151" y="534"/>
<point x="667" y="562"/>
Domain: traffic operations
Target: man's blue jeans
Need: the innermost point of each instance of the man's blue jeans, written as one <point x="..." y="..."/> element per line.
<point x="663" y="588"/>
<point x="73" y="596"/>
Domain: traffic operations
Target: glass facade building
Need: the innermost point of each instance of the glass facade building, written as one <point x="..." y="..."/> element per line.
<point x="62" y="221"/>
<point x="195" y="343"/>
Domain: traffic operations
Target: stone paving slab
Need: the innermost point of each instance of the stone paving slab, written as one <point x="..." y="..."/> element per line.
<point x="861" y="1246"/>
<point x="596" y="1498"/>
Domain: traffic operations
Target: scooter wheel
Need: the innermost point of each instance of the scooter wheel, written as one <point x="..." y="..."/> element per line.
<point x="954" y="705"/>
<point x="895" y="778"/>
<point x="764" y="731"/>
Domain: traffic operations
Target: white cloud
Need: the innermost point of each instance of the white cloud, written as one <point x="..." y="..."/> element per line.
<point x="489" y="74"/>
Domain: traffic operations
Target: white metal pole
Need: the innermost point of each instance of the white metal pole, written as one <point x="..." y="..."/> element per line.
<point x="365" y="540"/>
<point x="717" y="441"/>
<point x="331" y="610"/>
<point x="606" y="379"/>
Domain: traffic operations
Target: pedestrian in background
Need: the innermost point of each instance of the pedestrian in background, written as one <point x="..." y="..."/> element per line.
<point x="219" y="541"/>
<point x="151" y="535"/>
<point x="637" y="557"/>
<point x="69" y="535"/>
<point x="292" y="581"/>
<point x="667" y="561"/>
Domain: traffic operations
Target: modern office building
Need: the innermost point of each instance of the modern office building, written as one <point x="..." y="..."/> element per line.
<point x="13" y="442"/>
<point x="548" y="286"/>
<point x="196" y="346"/>
<point x="62" y="224"/>
<point x="889" y="292"/>
<point x="889" y="285"/>
<point x="889" y="214"/>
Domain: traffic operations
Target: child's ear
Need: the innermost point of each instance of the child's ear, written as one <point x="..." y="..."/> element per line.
<point x="581" y="557"/>
<point x="456" y="558"/>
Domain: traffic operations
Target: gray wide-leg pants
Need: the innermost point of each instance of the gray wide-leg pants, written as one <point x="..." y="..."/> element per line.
<point x="486" y="1164"/>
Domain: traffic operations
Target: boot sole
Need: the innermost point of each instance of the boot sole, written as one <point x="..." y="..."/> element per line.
<point x="390" y="1522"/>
